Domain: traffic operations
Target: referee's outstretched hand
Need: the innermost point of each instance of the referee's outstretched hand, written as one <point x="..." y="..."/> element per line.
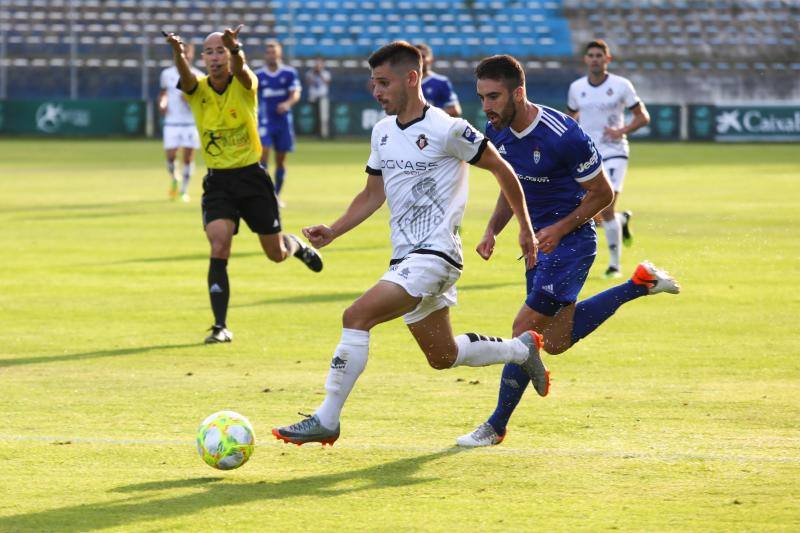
<point x="175" y="41"/>
<point x="230" y="38"/>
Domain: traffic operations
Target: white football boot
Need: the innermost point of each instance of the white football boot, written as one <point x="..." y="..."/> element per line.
<point x="655" y="279"/>
<point x="484" y="435"/>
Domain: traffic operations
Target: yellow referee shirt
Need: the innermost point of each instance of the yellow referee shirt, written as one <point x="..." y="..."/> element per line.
<point x="227" y="122"/>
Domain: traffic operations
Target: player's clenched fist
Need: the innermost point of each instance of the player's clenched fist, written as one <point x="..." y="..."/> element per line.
<point x="319" y="235"/>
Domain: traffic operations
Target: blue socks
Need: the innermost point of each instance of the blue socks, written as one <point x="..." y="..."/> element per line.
<point x="589" y="314"/>
<point x="592" y="312"/>
<point x="512" y="386"/>
<point x="280" y="173"/>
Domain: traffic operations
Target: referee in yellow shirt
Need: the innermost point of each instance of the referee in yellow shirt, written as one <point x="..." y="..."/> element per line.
<point x="224" y="105"/>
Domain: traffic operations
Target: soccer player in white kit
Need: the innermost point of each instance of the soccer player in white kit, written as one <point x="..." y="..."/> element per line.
<point x="418" y="164"/>
<point x="179" y="127"/>
<point x="598" y="102"/>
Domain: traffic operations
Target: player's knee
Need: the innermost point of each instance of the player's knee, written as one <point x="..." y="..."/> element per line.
<point x="555" y="346"/>
<point x="355" y="318"/>
<point x="275" y="254"/>
<point x="220" y="249"/>
<point x="440" y="361"/>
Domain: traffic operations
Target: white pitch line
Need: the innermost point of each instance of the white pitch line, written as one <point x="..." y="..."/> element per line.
<point x="544" y="452"/>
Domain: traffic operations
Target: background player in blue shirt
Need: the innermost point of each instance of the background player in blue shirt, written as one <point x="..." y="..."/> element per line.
<point x="562" y="177"/>
<point x="278" y="90"/>
<point x="437" y="89"/>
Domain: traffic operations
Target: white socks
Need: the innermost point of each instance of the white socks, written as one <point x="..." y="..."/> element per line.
<point x="480" y="350"/>
<point x="187" y="175"/>
<point x="171" y="169"/>
<point x="614" y="239"/>
<point x="348" y="362"/>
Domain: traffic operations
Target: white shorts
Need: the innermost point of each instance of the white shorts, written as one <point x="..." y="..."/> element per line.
<point x="181" y="137"/>
<point x="615" y="170"/>
<point x="426" y="276"/>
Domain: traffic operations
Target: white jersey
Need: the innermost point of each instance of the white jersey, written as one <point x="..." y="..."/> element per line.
<point x="178" y="111"/>
<point x="603" y="105"/>
<point x="424" y="169"/>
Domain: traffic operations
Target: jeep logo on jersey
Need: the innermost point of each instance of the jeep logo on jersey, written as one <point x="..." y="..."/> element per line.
<point x="422" y="141"/>
<point x="588" y="164"/>
<point x="537" y="155"/>
<point x="469" y="134"/>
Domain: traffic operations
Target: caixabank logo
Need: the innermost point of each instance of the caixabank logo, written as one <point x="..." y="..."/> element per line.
<point x="775" y="123"/>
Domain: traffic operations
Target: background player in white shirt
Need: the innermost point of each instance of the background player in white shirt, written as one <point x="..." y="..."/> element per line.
<point x="179" y="128"/>
<point x="418" y="165"/>
<point x="598" y="101"/>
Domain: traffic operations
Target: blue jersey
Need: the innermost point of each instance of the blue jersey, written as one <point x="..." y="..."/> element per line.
<point x="439" y="91"/>
<point x="551" y="158"/>
<point x="274" y="88"/>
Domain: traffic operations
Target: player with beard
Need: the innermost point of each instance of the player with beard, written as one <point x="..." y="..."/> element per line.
<point x="562" y="176"/>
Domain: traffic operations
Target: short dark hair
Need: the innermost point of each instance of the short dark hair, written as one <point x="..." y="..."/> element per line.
<point x="504" y="68"/>
<point x="425" y="50"/>
<point x="598" y="43"/>
<point x="397" y="53"/>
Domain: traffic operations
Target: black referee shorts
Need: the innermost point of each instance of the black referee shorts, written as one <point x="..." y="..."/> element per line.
<point x="247" y="193"/>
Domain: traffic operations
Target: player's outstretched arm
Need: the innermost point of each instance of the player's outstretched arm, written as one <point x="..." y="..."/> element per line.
<point x="598" y="195"/>
<point x="239" y="68"/>
<point x="188" y="79"/>
<point x="363" y="205"/>
<point x="490" y="160"/>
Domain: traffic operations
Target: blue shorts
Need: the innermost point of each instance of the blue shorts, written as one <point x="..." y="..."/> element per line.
<point x="279" y="137"/>
<point x="559" y="276"/>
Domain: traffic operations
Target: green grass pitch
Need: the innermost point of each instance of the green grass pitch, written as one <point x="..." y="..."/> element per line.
<point x="680" y="413"/>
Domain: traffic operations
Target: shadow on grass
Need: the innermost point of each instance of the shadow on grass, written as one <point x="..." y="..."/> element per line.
<point x="91" y="355"/>
<point x="328" y="297"/>
<point x="177" y="258"/>
<point x="204" y="256"/>
<point x="80" y="207"/>
<point x="217" y="492"/>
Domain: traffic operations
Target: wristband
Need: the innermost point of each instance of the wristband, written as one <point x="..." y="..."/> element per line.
<point x="235" y="50"/>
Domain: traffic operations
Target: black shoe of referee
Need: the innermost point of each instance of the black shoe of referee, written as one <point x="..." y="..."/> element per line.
<point x="308" y="255"/>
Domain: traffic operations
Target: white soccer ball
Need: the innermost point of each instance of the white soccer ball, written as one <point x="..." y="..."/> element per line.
<point x="225" y="440"/>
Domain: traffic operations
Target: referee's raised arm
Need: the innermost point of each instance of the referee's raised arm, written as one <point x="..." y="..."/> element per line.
<point x="238" y="66"/>
<point x="188" y="81"/>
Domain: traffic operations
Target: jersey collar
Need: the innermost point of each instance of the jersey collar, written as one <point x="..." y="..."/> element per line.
<point x="411" y="123"/>
<point x="532" y="125"/>
<point x="589" y="81"/>
<point x="230" y="80"/>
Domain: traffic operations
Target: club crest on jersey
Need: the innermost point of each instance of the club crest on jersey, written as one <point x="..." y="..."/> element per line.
<point x="469" y="134"/>
<point x="232" y="112"/>
<point x="422" y="141"/>
<point x="610" y="91"/>
<point x="537" y="155"/>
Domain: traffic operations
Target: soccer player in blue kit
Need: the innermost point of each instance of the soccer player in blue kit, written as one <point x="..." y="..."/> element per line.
<point x="437" y="89"/>
<point x="278" y="90"/>
<point x="562" y="176"/>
